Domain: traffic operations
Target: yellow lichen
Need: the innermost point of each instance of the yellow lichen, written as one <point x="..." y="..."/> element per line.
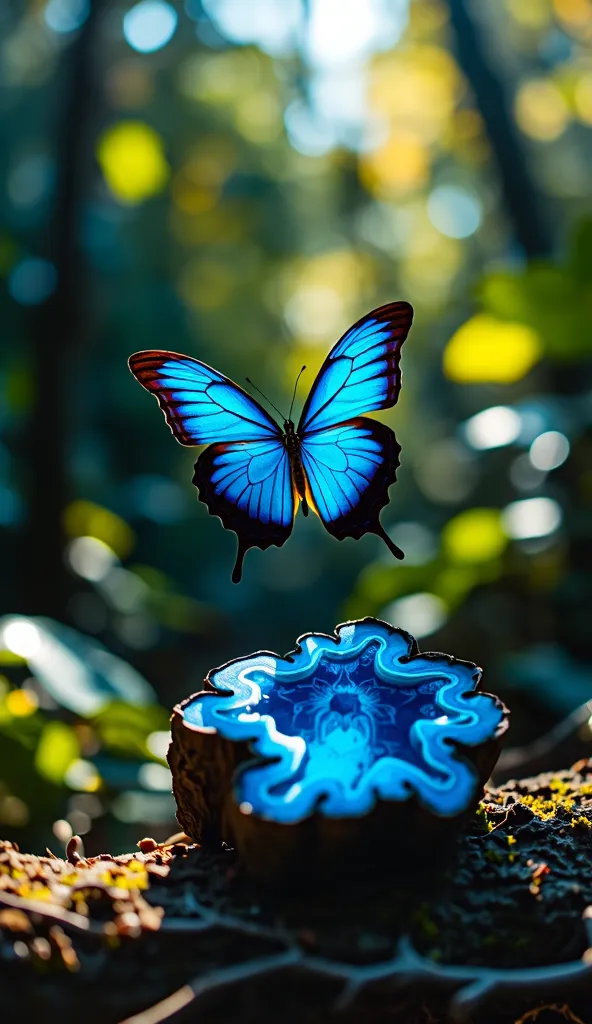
<point x="138" y="879"/>
<point x="582" y="821"/>
<point x="34" y="891"/>
<point x="547" y="808"/>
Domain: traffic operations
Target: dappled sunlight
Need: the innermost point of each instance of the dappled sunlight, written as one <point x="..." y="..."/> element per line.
<point x="242" y="182"/>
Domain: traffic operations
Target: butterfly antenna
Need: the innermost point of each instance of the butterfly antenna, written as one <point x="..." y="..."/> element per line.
<point x="249" y="381"/>
<point x="294" y="395"/>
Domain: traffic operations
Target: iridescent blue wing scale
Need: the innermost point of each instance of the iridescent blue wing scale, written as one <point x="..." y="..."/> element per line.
<point x="349" y="470"/>
<point x="244" y="476"/>
<point x="351" y="461"/>
<point x="249" y="486"/>
<point x="200" y="405"/>
<point x="362" y="372"/>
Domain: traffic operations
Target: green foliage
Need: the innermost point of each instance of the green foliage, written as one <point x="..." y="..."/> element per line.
<point x="554" y="299"/>
<point x="124" y="729"/>
<point x="58" y="747"/>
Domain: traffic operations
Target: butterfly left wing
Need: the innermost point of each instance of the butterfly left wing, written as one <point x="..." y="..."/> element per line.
<point x="200" y="405"/>
<point x="249" y="487"/>
<point x="349" y="470"/>
<point x="244" y="475"/>
<point x="362" y="372"/>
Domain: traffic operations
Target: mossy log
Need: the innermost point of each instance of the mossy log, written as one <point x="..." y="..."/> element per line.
<point x="179" y="933"/>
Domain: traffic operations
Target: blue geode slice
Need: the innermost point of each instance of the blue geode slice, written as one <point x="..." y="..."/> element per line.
<point x="357" y="728"/>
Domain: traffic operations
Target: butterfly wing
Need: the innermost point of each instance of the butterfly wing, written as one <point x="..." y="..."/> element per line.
<point x="361" y="373"/>
<point x="244" y="475"/>
<point x="349" y="470"/>
<point x="200" y="405"/>
<point x="249" y="486"/>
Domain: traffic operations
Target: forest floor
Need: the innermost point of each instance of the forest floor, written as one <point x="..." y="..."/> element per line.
<point x="499" y="934"/>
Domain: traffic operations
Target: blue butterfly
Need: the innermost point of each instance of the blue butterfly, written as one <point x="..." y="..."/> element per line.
<point x="254" y="473"/>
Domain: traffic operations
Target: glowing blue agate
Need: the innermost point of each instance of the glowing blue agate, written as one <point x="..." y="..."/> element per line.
<point x="346" y="719"/>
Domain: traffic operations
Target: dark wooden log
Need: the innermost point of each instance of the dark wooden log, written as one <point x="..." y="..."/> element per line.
<point x="491" y="938"/>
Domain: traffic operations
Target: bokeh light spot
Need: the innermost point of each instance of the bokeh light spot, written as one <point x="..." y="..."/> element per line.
<point x="62" y="830"/>
<point x="21" y="638"/>
<point x="401" y="165"/>
<point x="493" y="428"/>
<point x="82" y="775"/>
<point x="485" y="350"/>
<point x="416" y="540"/>
<point x="549" y="450"/>
<point x="576" y="14"/>
<point x="150" y="25"/>
<point x="132" y="160"/>
<point x="32" y="281"/>
<point x="524" y="476"/>
<point x="56" y="751"/>
<point x="30" y="180"/>
<point x="90" y="558"/>
<point x="85" y="519"/>
<point x="531" y="14"/>
<point x="314" y="313"/>
<point x="446" y="472"/>
<point x="532" y="517"/>
<point x="541" y="110"/>
<point x="155" y="776"/>
<point x="476" y="535"/>
<point x="158" y="743"/>
<point x="273" y="27"/>
<point x="420" y="614"/>
<point x="21" y="703"/>
<point x="14" y="812"/>
<point x="454" y="211"/>
<point x="63" y="16"/>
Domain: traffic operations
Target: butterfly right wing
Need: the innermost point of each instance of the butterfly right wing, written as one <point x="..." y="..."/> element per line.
<point x="201" y="406"/>
<point x="244" y="475"/>
<point x="349" y="469"/>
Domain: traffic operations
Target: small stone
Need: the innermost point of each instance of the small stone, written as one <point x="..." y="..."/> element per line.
<point x="147" y="845"/>
<point x="74" y="850"/>
<point x="129" y="924"/>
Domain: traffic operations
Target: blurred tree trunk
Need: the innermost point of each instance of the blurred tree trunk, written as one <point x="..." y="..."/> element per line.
<point x="523" y="202"/>
<point x="56" y="329"/>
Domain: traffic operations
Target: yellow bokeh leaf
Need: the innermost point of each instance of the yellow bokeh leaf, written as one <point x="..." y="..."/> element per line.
<point x="475" y="535"/>
<point x="489" y="351"/>
<point x="85" y="519"/>
<point x="541" y="110"/>
<point x="21" y="703"/>
<point x="132" y="160"/>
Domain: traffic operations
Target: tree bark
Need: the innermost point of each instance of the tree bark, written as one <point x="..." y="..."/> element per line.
<point x="523" y="203"/>
<point x="57" y="330"/>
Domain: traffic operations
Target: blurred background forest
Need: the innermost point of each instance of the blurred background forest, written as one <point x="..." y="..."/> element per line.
<point x="240" y="180"/>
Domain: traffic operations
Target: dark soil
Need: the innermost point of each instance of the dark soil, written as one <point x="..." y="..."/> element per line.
<point x="494" y="936"/>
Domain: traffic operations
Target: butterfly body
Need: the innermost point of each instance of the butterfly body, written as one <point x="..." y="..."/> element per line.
<point x="255" y="473"/>
<point x="292" y="442"/>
